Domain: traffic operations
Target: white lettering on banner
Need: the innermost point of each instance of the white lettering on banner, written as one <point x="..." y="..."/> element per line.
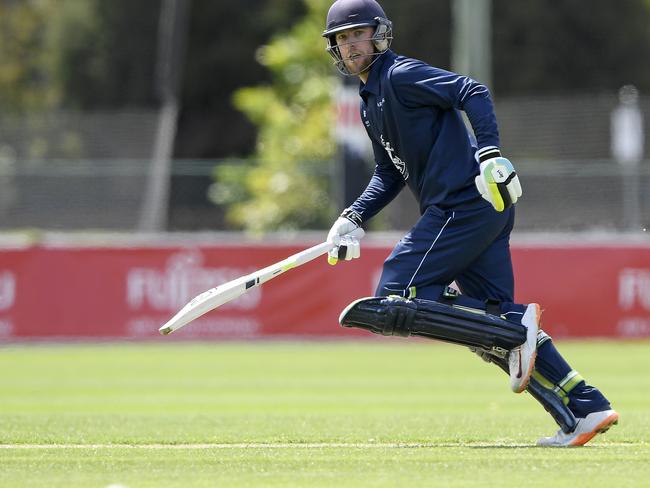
<point x="7" y="290"/>
<point x="634" y="288"/>
<point x="183" y="278"/>
<point x="6" y="328"/>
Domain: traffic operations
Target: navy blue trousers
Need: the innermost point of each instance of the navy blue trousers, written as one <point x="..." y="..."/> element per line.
<point x="472" y="248"/>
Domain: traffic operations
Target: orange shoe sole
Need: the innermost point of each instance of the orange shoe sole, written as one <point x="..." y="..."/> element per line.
<point x="601" y="428"/>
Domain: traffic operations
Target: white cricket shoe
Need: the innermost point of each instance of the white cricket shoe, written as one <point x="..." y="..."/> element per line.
<point x="521" y="359"/>
<point x="586" y="429"/>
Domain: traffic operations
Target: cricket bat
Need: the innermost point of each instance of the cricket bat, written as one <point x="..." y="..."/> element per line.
<point x="215" y="297"/>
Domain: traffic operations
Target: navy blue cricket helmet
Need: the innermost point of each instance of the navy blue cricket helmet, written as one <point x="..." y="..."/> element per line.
<point x="348" y="14"/>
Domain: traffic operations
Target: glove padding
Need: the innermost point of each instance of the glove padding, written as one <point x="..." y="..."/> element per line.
<point x="345" y="236"/>
<point x="498" y="183"/>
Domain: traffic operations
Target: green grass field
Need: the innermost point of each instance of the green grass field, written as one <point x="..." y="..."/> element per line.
<point x="377" y="413"/>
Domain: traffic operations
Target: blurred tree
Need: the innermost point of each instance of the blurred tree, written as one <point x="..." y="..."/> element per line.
<point x="97" y="54"/>
<point x="285" y="185"/>
<point x="25" y="56"/>
<point x="223" y="39"/>
<point x="106" y="52"/>
<point x="87" y="55"/>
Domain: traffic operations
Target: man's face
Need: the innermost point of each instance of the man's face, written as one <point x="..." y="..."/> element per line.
<point x="356" y="48"/>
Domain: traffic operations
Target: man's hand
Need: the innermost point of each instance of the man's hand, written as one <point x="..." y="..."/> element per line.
<point x="345" y="236"/>
<point x="498" y="183"/>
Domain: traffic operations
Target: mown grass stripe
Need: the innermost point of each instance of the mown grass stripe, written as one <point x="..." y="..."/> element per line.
<point x="290" y="445"/>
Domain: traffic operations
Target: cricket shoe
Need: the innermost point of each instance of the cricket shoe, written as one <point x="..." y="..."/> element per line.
<point x="586" y="429"/>
<point x="521" y="359"/>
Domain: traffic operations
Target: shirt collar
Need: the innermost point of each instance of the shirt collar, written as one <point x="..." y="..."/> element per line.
<point x="372" y="85"/>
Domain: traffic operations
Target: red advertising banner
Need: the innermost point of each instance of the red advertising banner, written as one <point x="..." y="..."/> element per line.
<point x="587" y="290"/>
<point x="63" y="292"/>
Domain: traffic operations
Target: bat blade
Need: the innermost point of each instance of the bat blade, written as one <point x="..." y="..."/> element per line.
<point x="203" y="303"/>
<point x="215" y="297"/>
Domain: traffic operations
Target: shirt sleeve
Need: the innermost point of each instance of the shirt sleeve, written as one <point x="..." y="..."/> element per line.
<point x="417" y="84"/>
<point x="384" y="185"/>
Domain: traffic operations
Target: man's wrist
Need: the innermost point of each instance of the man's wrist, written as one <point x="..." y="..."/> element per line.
<point x="353" y="216"/>
<point x="488" y="152"/>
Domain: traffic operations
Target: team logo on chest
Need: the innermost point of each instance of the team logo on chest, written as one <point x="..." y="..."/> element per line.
<point x="399" y="164"/>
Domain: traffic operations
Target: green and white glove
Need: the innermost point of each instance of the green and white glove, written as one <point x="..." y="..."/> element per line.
<point x="498" y="182"/>
<point x="345" y="235"/>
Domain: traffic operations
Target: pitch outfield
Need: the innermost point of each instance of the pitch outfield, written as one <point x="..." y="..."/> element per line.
<point x="377" y="413"/>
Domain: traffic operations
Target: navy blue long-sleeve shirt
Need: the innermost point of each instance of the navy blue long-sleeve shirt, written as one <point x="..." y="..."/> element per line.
<point x="411" y="112"/>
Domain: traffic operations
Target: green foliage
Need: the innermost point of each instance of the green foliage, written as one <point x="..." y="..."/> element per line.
<point x="71" y="55"/>
<point x="106" y="53"/>
<point x="25" y="56"/>
<point x="87" y="54"/>
<point x="284" y="185"/>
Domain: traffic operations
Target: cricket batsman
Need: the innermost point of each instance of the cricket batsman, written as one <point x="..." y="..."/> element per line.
<point x="466" y="192"/>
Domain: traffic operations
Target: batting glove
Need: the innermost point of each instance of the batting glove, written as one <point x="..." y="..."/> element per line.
<point x="498" y="183"/>
<point x="345" y="235"/>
